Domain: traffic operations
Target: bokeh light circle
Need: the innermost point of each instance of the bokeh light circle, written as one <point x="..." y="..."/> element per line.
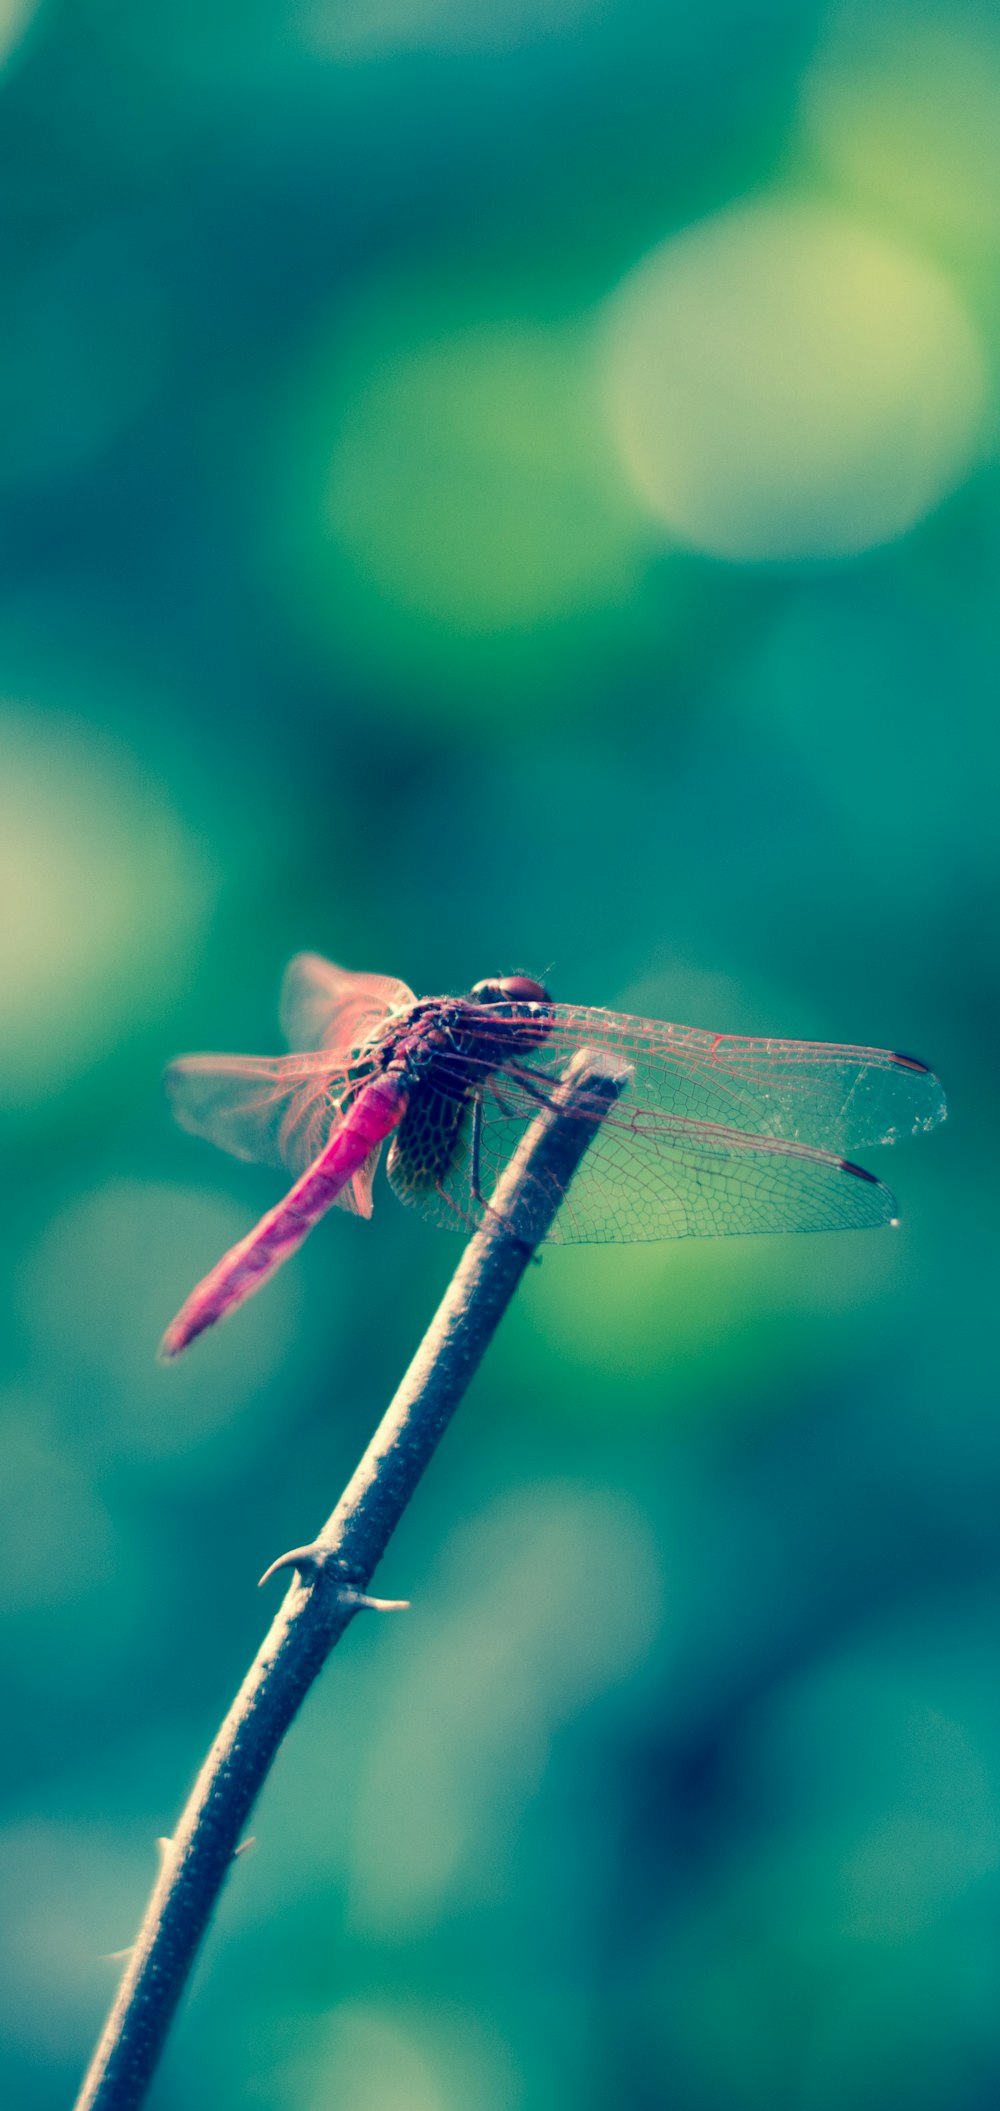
<point x="452" y="521"/>
<point x="95" y="1294"/>
<point x="16" y="17"/>
<point x="102" y="893"/>
<point x="786" y="384"/>
<point x="902" y="105"/>
<point x="463" y="485"/>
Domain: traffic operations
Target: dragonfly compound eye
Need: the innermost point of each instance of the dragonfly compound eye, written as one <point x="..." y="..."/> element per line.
<point x="511" y="989"/>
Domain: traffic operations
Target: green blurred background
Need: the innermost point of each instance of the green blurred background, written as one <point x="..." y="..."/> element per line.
<point x="493" y="484"/>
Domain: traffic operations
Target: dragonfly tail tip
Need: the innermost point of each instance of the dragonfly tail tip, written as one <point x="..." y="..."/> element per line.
<point x="174" y="1340"/>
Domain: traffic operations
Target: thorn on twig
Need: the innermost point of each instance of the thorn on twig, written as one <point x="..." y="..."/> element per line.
<point x="306" y="1559"/>
<point x="250" y="1841"/>
<point x="363" y="1604"/>
<point x="118" y="1956"/>
<point x="165" y="1849"/>
<point x="309" y="1560"/>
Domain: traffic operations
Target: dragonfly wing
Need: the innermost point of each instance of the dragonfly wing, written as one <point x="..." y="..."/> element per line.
<point x="277" y="1110"/>
<point x="642" y="1178"/>
<point x="713" y="1134"/>
<point x="831" y="1097"/>
<point x="710" y="1188"/>
<point x="647" y="1178"/>
<point x="324" y="1006"/>
<point x="357" y="1195"/>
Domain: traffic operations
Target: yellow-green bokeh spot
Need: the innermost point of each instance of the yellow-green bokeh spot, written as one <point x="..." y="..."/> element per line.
<point x="696" y="1323"/>
<point x="469" y="484"/>
<point x="15" y="20"/>
<point x="460" y="513"/>
<point x="94" y="1294"/>
<point x="788" y="384"/>
<point x="103" y="893"/>
<point x="903" y="106"/>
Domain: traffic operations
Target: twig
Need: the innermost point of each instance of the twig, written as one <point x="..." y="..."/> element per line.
<point x="330" y="1585"/>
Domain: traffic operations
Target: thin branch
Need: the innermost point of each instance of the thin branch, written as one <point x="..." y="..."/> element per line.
<point x="330" y="1586"/>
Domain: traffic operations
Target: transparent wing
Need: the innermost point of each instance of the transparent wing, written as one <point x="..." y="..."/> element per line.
<point x="277" y="1110"/>
<point x="647" y="1180"/>
<point x="324" y="1006"/>
<point x="713" y="1134"/>
<point x="835" y="1098"/>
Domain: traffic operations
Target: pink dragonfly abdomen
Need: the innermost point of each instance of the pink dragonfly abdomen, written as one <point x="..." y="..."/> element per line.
<point x="377" y="1111"/>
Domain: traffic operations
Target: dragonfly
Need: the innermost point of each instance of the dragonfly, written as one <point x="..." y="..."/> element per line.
<point x="712" y="1134"/>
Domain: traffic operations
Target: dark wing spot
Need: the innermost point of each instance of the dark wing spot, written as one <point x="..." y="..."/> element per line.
<point x="859" y="1170"/>
<point x="911" y="1063"/>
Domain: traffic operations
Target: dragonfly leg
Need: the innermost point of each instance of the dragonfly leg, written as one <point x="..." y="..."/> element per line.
<point x="477" y="1138"/>
<point x="474" y="1169"/>
<point x="465" y="1216"/>
<point x="488" y="1210"/>
<point x="534" y="1092"/>
<point x="475" y="1176"/>
<point x="541" y="1099"/>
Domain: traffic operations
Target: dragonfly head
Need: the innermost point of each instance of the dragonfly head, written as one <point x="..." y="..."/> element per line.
<point x="510" y="989"/>
<point x="526" y="1017"/>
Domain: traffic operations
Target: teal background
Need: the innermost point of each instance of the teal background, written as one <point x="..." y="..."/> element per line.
<point x="492" y="487"/>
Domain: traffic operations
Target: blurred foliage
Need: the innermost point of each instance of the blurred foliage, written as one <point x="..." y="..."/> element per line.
<point x="489" y="487"/>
